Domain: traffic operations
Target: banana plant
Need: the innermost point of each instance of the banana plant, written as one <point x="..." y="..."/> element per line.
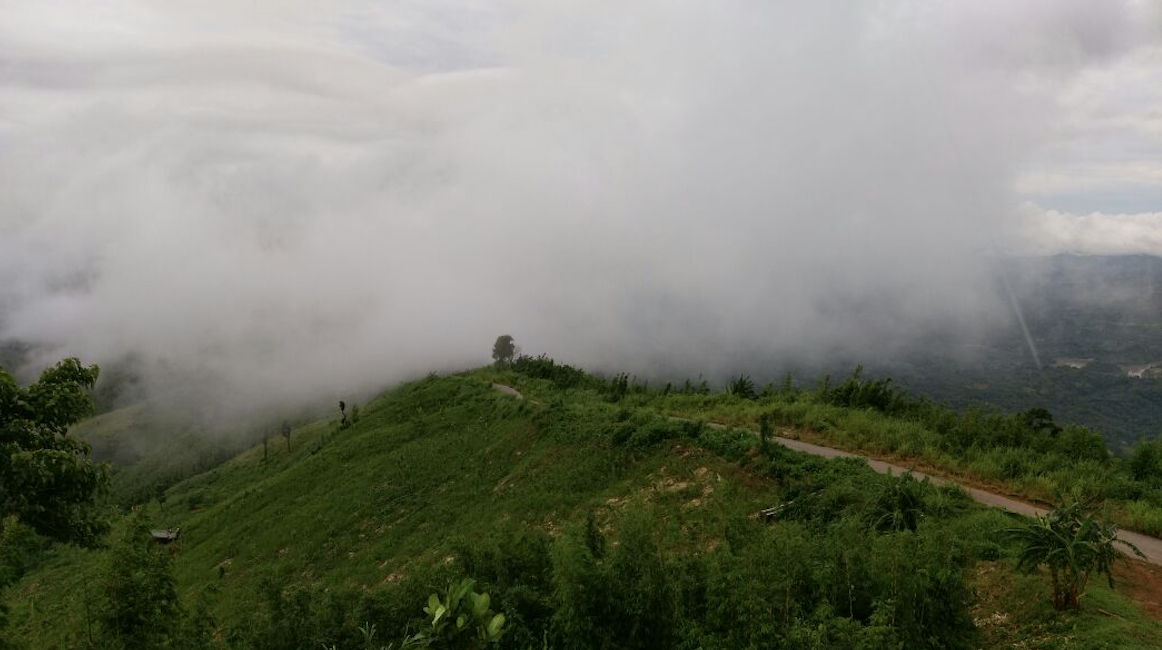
<point x="1074" y="544"/>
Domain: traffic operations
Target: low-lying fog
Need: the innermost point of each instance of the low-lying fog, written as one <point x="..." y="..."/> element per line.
<point x="272" y="201"/>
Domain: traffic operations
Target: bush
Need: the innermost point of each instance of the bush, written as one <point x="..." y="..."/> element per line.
<point x="1074" y="544"/>
<point x="141" y="610"/>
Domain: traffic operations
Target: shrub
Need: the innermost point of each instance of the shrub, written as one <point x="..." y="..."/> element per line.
<point x="1073" y="543"/>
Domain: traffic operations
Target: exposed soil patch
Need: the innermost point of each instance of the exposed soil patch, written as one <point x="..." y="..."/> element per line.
<point x="1142" y="582"/>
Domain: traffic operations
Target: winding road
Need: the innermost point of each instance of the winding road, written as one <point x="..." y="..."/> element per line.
<point x="1151" y="547"/>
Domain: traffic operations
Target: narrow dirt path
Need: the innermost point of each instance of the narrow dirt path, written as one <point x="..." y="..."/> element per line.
<point x="1151" y="547"/>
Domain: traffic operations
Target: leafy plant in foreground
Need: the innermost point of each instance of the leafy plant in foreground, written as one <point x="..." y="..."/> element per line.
<point x="46" y="477"/>
<point x="899" y="504"/>
<point x="461" y="620"/>
<point x="1073" y="543"/>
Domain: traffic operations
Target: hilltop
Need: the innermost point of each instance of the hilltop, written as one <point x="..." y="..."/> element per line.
<point x="602" y="513"/>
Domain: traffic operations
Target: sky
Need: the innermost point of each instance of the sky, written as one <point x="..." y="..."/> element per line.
<point x="291" y="199"/>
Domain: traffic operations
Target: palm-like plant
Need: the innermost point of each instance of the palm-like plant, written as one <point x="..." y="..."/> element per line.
<point x="899" y="505"/>
<point x="1074" y="544"/>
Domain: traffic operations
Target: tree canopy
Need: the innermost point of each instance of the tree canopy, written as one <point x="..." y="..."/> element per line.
<point x="47" y="479"/>
<point x="504" y="349"/>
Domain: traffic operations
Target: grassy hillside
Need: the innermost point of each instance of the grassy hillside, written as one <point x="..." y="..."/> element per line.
<point x="593" y="520"/>
<point x="148" y="451"/>
<point x="150" y="448"/>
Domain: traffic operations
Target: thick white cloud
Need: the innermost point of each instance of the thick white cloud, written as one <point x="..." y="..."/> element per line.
<point x="304" y="200"/>
<point x="1097" y="233"/>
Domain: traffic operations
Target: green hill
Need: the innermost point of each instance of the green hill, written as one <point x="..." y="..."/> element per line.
<point x="591" y="517"/>
<point x="150" y="451"/>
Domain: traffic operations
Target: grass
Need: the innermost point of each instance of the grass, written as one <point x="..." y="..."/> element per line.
<point x="1013" y="611"/>
<point x="150" y="450"/>
<point x="1029" y="474"/>
<point x="431" y="464"/>
<point x="440" y="463"/>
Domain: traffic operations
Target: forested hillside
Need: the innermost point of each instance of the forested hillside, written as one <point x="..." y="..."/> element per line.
<point x="1096" y="326"/>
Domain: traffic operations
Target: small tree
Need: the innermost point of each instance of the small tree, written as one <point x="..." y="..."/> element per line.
<point x="286" y="433"/>
<point x="742" y="386"/>
<point x="141" y="608"/>
<point x="503" y="350"/>
<point x="1146" y="462"/>
<point x="1073" y="544"/>
<point x="765" y="433"/>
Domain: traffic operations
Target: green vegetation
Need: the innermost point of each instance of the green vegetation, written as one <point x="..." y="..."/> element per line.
<point x="138" y="607"/>
<point x="1099" y="396"/>
<point x="148" y="451"/>
<point x="47" y="481"/>
<point x="461" y="620"/>
<point x="582" y="516"/>
<point x="1026" y="454"/>
<point x="1074" y="544"/>
<point x="1092" y="318"/>
<point x="504" y="350"/>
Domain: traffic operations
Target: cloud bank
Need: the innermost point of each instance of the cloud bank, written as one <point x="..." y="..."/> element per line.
<point x="285" y="204"/>
<point x="1051" y="232"/>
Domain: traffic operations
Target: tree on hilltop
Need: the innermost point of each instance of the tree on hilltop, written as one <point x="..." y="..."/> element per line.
<point x="504" y="350"/>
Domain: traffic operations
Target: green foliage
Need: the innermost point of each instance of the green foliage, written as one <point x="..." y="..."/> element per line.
<point x="516" y="568"/>
<point x="460" y="620"/>
<point x="618" y="388"/>
<point x="46" y="477"/>
<point x="899" y="505"/>
<point x="1146" y="463"/>
<point x="594" y="539"/>
<point x="589" y="524"/>
<point x="1028" y="452"/>
<point x="1073" y="544"/>
<point x="562" y="376"/>
<point x="798" y="585"/>
<point x="294" y="616"/>
<point x="742" y="386"/>
<point x="857" y="392"/>
<point x="21" y="549"/>
<point x="503" y="350"/>
<point x="140" y="608"/>
<point x="286" y="430"/>
<point x="150" y="447"/>
<point x="765" y="432"/>
<point x="621" y="601"/>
